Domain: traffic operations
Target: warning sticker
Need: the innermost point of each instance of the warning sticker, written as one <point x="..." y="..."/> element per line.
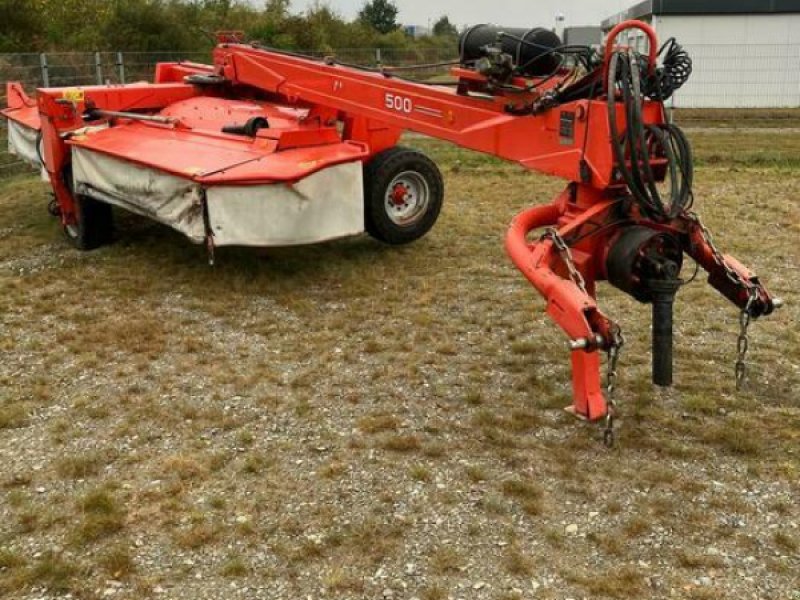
<point x="567" y="128"/>
<point x="73" y="94"/>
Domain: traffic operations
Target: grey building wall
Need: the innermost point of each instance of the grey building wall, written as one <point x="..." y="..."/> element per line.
<point x="742" y="59"/>
<point x="583" y="36"/>
<point x="645" y="10"/>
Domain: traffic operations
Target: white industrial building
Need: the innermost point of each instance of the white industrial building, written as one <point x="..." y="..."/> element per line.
<point x="746" y="53"/>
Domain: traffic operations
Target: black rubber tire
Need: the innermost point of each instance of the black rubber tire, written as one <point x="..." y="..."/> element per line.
<point x="379" y="173"/>
<point x="95" y="224"/>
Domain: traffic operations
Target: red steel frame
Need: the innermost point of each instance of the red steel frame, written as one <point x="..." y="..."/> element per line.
<point x="375" y="108"/>
<point x="378" y="103"/>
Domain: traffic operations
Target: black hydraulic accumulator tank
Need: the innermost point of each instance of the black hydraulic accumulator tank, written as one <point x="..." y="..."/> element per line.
<point x="532" y="50"/>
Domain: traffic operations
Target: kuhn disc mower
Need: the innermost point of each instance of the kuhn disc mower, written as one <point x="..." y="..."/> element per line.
<point x="268" y="148"/>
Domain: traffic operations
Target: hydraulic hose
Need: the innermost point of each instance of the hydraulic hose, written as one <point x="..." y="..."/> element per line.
<point x="635" y="147"/>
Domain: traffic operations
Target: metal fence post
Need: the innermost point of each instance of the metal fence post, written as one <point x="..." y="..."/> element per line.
<point x="98" y="66"/>
<point x="44" y="67"/>
<point x="378" y="56"/>
<point x="121" y="67"/>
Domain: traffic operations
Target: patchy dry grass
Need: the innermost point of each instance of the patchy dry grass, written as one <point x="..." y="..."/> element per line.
<point x="81" y="466"/>
<point x="101" y="517"/>
<point x="769" y="118"/>
<point x="350" y="418"/>
<point x="517" y="563"/>
<point x="623" y="582"/>
<point x="446" y="560"/>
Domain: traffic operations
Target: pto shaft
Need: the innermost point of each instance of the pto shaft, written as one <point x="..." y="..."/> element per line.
<point x="663" y="299"/>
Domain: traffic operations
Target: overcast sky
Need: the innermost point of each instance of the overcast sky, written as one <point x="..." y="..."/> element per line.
<point x="516" y="13"/>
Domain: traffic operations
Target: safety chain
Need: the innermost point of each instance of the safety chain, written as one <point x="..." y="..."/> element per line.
<point x="53" y="208"/>
<point x="615" y="346"/>
<point x="745" y="317"/>
<point x="718" y="257"/>
<point x="743" y="343"/>
<point x="614" y="351"/>
<point x="566" y="256"/>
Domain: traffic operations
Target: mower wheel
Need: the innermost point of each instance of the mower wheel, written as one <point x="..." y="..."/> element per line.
<point x="94" y="226"/>
<point x="403" y="193"/>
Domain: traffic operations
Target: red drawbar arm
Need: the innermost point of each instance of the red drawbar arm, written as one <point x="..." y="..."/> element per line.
<point x="700" y="250"/>
<point x="573" y="309"/>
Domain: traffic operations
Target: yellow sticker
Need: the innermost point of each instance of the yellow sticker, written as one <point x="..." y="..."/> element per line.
<point x="73" y="94"/>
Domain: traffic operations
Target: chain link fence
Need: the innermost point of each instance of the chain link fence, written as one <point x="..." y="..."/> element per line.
<point x="87" y="68"/>
<point x="66" y="69"/>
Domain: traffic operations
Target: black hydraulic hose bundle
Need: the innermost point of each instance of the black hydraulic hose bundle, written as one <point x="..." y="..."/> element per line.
<point x="637" y="146"/>
<point x="675" y="71"/>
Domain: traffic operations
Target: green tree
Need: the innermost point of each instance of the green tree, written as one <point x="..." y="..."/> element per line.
<point x="182" y="26"/>
<point x="381" y="15"/>
<point x="277" y="10"/>
<point x="443" y="27"/>
<point x="75" y="25"/>
<point x="22" y="29"/>
<point x="218" y="8"/>
<point x="140" y="25"/>
<point x="270" y="26"/>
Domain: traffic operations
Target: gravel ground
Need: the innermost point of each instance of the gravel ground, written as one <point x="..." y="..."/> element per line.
<point x="352" y="421"/>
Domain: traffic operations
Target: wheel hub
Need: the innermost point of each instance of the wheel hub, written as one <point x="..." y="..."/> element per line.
<point x="399" y="194"/>
<point x="407" y="198"/>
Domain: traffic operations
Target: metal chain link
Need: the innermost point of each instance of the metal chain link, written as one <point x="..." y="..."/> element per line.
<point x="614" y="351"/>
<point x="745" y="317"/>
<point x="743" y="342"/>
<point x="566" y="256"/>
<point x="718" y="257"/>
<point x="614" y="348"/>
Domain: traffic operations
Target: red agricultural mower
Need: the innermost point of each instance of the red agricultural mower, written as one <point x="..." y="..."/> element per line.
<point x="267" y="147"/>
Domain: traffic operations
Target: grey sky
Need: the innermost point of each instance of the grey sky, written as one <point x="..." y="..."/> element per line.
<point x="517" y="13"/>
